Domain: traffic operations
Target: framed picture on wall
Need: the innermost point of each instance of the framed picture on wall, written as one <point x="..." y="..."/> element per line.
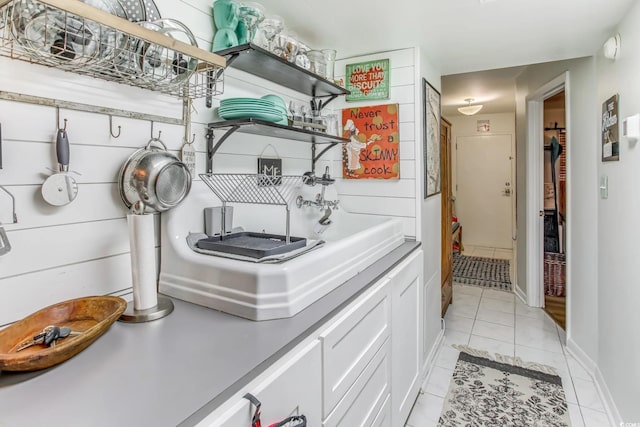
<point x="610" y="131"/>
<point x="431" y="124"/>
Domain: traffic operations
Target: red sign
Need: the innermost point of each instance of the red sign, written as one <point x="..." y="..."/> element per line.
<point x="374" y="147"/>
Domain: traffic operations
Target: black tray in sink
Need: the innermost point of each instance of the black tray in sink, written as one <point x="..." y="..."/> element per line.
<point x="254" y="245"/>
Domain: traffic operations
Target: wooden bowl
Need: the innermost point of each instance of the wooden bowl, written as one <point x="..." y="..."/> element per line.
<point x="90" y="315"/>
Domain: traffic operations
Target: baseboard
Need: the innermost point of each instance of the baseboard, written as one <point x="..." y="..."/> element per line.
<point x="607" y="399"/>
<point x="520" y="294"/>
<point x="601" y="385"/>
<point x="431" y="359"/>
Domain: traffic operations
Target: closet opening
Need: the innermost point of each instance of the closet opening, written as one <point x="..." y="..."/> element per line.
<point x="555" y="208"/>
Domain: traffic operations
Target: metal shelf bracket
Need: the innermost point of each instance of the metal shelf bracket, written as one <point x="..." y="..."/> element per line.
<point x="212" y="149"/>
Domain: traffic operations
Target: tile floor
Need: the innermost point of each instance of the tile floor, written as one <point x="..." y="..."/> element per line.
<point x="498" y="322"/>
<point x="487" y="252"/>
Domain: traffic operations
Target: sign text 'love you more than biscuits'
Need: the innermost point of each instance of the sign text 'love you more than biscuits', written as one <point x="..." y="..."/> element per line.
<point x="368" y="80"/>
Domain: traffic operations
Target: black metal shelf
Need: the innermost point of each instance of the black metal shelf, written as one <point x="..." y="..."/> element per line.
<point x="265" y="128"/>
<point x="262" y="63"/>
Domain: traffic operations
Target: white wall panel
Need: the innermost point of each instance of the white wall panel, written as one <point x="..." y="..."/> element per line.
<point x="398" y="188"/>
<point x="389" y="198"/>
<point x="42" y="248"/>
<point x="391" y="206"/>
<point x="27" y="293"/>
<point x="95" y="202"/>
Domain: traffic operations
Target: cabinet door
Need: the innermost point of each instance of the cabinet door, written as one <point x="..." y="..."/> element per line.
<point x="352" y="340"/>
<point x="405" y="336"/>
<point x="294" y="388"/>
<point x="366" y="399"/>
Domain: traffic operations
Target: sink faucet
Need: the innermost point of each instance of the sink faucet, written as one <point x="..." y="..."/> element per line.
<point x="311" y="179"/>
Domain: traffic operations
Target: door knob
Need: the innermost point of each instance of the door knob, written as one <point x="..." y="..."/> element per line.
<point x="541" y="213"/>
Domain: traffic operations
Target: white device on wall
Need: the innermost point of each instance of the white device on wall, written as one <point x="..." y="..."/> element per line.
<point x="631" y="128"/>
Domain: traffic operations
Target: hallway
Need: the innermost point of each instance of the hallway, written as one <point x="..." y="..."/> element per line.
<point x="499" y="322"/>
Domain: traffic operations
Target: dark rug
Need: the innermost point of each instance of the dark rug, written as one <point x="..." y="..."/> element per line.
<point x="503" y="391"/>
<point x="487" y="272"/>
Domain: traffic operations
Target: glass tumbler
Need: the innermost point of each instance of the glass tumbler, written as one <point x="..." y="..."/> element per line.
<point x="318" y="64"/>
<point x="330" y="60"/>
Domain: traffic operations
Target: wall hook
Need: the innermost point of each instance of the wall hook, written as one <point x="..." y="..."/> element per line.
<point x="193" y="139"/>
<point x="13" y="204"/>
<point x="111" y="128"/>
<point x="159" y="133"/>
<point x="58" y="120"/>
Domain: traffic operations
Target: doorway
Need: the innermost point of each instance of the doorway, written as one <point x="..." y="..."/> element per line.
<point x="536" y="214"/>
<point x="554" y="203"/>
<point x="484" y="197"/>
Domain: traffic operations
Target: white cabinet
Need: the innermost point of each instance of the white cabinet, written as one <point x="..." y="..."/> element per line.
<point x="294" y="387"/>
<point x="361" y="368"/>
<point x="406" y="354"/>
<point x="352" y="340"/>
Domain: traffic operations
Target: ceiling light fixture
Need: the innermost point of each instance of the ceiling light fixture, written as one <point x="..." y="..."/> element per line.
<point x="470" y="110"/>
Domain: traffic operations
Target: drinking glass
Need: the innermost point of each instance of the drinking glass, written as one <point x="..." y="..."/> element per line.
<point x="270" y="27"/>
<point x="330" y="60"/>
<point x="251" y="14"/>
<point x="318" y="64"/>
<point x="280" y="42"/>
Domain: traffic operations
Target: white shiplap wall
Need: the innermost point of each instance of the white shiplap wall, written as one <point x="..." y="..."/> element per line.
<point x="82" y="249"/>
<point x="392" y="198"/>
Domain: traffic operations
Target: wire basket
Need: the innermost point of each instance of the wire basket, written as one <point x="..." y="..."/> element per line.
<point x="555" y="274"/>
<point x="253" y="188"/>
<point x="101" y="43"/>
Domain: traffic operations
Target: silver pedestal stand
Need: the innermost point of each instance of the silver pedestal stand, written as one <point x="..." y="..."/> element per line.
<point x="131" y="315"/>
<point x="143" y="272"/>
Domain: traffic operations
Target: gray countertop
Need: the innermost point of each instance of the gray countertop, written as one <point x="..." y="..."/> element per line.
<point x="171" y="371"/>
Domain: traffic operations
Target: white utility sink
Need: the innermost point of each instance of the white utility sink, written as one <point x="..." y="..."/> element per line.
<point x="269" y="291"/>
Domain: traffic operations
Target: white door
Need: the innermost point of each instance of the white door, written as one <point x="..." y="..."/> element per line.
<point x="485" y="189"/>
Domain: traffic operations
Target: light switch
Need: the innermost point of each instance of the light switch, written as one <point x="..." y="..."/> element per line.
<point x="604" y="187"/>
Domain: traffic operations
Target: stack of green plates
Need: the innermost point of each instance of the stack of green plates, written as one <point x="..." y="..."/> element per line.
<point x="255" y="108"/>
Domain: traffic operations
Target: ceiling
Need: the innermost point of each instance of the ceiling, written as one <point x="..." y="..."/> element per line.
<point x="461" y="38"/>
<point x="457" y="36"/>
<point x="494" y="89"/>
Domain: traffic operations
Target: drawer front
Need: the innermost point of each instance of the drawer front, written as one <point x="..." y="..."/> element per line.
<point x="351" y="342"/>
<point x="384" y="416"/>
<point x="294" y="388"/>
<point x="365" y="400"/>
